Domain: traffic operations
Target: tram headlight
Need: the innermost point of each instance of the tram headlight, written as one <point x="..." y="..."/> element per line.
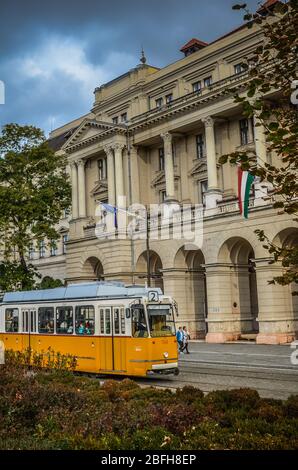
<point x="165" y="355"/>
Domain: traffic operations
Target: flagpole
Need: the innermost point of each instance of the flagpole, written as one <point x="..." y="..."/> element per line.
<point x="148" y="249"/>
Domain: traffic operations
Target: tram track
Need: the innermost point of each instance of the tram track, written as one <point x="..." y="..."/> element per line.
<point x="279" y="385"/>
<point x="205" y="387"/>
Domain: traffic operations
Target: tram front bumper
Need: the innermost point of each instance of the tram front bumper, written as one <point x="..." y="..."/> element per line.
<point x="168" y="368"/>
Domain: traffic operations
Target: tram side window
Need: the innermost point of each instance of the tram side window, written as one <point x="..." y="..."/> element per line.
<point x="139" y="328"/>
<point x="102" y="321"/>
<point x="64" y="320"/>
<point x="11" y="320"/>
<point x="46" y="320"/>
<point x="108" y="321"/>
<point x="117" y="321"/>
<point x="122" y="319"/>
<point x="85" y="320"/>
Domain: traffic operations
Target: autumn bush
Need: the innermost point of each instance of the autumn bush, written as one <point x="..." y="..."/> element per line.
<point x="57" y="409"/>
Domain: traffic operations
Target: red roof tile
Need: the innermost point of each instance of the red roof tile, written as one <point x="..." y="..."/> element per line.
<point x="193" y="42"/>
<point x="267" y="4"/>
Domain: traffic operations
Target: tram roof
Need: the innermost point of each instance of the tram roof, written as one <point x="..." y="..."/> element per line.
<point x="99" y="289"/>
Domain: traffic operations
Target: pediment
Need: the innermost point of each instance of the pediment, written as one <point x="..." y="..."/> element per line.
<point x="158" y="180"/>
<point x="199" y="168"/>
<point x="88" y="131"/>
<point x="100" y="189"/>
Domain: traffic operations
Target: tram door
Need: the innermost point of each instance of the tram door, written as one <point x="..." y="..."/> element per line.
<point x="29" y="325"/>
<point x="119" y="341"/>
<point x="112" y="346"/>
<point x="106" y="340"/>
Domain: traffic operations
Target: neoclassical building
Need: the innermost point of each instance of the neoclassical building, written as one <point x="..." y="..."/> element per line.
<point x="156" y="135"/>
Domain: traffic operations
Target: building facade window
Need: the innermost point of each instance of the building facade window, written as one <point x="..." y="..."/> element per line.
<point x="124" y="117"/>
<point x="102" y="168"/>
<point x="53" y="248"/>
<point x="238" y="68"/>
<point x="169" y="98"/>
<point x="200" y="144"/>
<point x="162" y="196"/>
<point x="208" y="81"/>
<point x="196" y="86"/>
<point x="66" y="213"/>
<point x="203" y="188"/>
<point x="42" y="249"/>
<point x="159" y="102"/>
<point x="64" y="241"/>
<point x="115" y="120"/>
<point x="244" y="131"/>
<point x="161" y="159"/>
<point x="31" y="251"/>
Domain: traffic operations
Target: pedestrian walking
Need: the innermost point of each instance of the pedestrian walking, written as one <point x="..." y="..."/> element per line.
<point x="179" y="336"/>
<point x="186" y="338"/>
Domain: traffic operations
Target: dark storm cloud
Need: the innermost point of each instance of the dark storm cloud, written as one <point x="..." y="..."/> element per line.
<point x="54" y="53"/>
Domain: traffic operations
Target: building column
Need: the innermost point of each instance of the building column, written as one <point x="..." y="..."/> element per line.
<point x="214" y="193"/>
<point x="276" y="316"/>
<point x="81" y="188"/>
<point x="111" y="175"/>
<point x="118" y="147"/>
<point x="261" y="188"/>
<point x="74" y="190"/>
<point x="169" y="166"/>
<point x="134" y="175"/>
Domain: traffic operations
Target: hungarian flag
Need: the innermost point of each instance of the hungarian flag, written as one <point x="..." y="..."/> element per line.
<point x="245" y="180"/>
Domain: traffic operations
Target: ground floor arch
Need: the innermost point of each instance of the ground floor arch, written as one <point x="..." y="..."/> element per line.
<point x="188" y="283"/>
<point x="93" y="269"/>
<point x="155" y="268"/>
<point x="278" y="307"/>
<point x="237" y="255"/>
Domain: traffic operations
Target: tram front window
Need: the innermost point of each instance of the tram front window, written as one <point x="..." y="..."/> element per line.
<point x="161" y="320"/>
<point x="139" y="326"/>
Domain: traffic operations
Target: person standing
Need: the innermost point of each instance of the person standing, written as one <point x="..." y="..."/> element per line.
<point x="186" y="338"/>
<point x="179" y="336"/>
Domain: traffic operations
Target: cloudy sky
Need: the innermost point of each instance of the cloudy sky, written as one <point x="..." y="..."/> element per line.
<point x="53" y="54"/>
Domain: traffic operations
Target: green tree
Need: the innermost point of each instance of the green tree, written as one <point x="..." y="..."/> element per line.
<point x="49" y="282"/>
<point x="274" y="70"/>
<point x="34" y="191"/>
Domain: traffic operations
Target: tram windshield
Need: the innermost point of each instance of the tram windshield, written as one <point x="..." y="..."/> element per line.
<point x="139" y="324"/>
<point x="161" y="320"/>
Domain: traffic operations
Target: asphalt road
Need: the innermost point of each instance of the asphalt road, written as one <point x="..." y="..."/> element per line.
<point x="267" y="369"/>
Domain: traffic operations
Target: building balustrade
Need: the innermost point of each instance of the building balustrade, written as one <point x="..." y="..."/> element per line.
<point x="189" y="216"/>
<point x="194" y="96"/>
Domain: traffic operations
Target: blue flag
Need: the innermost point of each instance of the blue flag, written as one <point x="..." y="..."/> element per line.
<point x="112" y="210"/>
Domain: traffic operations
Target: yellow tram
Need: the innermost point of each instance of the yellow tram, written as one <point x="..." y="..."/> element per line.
<point x="109" y="327"/>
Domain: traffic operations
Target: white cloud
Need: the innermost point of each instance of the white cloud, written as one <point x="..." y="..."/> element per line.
<point x="66" y="57"/>
<point x="54" y="83"/>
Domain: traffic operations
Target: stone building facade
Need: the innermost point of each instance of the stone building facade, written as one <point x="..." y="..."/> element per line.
<point x="156" y="135"/>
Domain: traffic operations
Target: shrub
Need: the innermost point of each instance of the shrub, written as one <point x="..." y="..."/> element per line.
<point x="57" y="409"/>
